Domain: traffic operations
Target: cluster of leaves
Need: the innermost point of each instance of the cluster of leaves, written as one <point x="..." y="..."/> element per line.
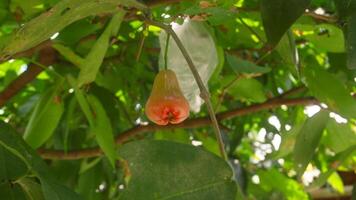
<point x="101" y="59"/>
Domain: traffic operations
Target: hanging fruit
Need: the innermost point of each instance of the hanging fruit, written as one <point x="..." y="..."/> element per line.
<point x="166" y="103"/>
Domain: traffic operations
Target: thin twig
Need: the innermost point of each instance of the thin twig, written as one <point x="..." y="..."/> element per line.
<point x="204" y="93"/>
<point x="166" y="52"/>
<point x="142" y="42"/>
<point x="139" y="52"/>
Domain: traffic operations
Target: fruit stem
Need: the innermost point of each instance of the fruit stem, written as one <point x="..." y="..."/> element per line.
<point x="166" y="51"/>
<point x="204" y="93"/>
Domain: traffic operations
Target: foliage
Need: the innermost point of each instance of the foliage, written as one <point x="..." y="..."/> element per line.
<point x="75" y="76"/>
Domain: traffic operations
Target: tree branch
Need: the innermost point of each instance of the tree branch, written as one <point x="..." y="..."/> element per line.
<point x="20" y="82"/>
<point x="191" y="123"/>
<point x="46" y="57"/>
<point x="325" y="18"/>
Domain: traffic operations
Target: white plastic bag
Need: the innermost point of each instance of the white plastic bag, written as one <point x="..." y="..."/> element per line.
<point x="201" y="47"/>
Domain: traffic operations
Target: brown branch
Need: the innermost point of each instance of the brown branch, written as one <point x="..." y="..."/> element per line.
<point x="191" y="123"/>
<point x="44" y="45"/>
<point x="325" y="18"/>
<point x="46" y="57"/>
<point x="20" y="82"/>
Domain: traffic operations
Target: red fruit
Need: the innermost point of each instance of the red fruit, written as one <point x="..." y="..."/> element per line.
<point x="166" y="103"/>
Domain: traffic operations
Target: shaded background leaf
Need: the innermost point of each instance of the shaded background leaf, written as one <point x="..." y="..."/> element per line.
<point x="102" y="129"/>
<point x="31" y="188"/>
<point x="351" y="44"/>
<point x="90" y="66"/>
<point x="308" y="139"/>
<point x="44" y="118"/>
<point x="334" y="95"/>
<point x="13" y="143"/>
<point x="245" y="67"/>
<point x="248" y="89"/>
<point x="279" y="15"/>
<point x="176" y="164"/>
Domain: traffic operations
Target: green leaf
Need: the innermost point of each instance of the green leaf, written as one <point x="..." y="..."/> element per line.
<point x="13" y="143"/>
<point x="340" y="136"/>
<point x="209" y="143"/>
<point x="221" y="63"/>
<point x="245" y="67"/>
<point x="308" y="139"/>
<point x="90" y="66"/>
<point x="102" y="129"/>
<point x="287" y="142"/>
<point x="279" y="15"/>
<point x="289" y="52"/>
<point x="248" y="89"/>
<point x="108" y="80"/>
<point x="54" y="191"/>
<point x="44" y="118"/>
<point x="29" y="7"/>
<point x="345" y="7"/>
<point x="273" y="180"/>
<point x="11" y="167"/>
<point x="88" y="183"/>
<point x="335" y="95"/>
<point x="31" y="188"/>
<point x="194" y="173"/>
<point x="351" y="42"/>
<point x="10" y="66"/>
<point x="69" y="118"/>
<point x="340" y="158"/>
<point x="78" y="61"/>
<point x="216" y="15"/>
<point x="87" y="165"/>
<point x="68" y="54"/>
<point x="173" y="135"/>
<point x="11" y="192"/>
<point x="78" y="30"/>
<point x="79" y="95"/>
<point x="61" y="15"/>
<point x="336" y="182"/>
<point x="325" y="37"/>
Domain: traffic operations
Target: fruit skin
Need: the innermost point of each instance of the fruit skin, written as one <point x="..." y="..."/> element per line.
<point x="166" y="103"/>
